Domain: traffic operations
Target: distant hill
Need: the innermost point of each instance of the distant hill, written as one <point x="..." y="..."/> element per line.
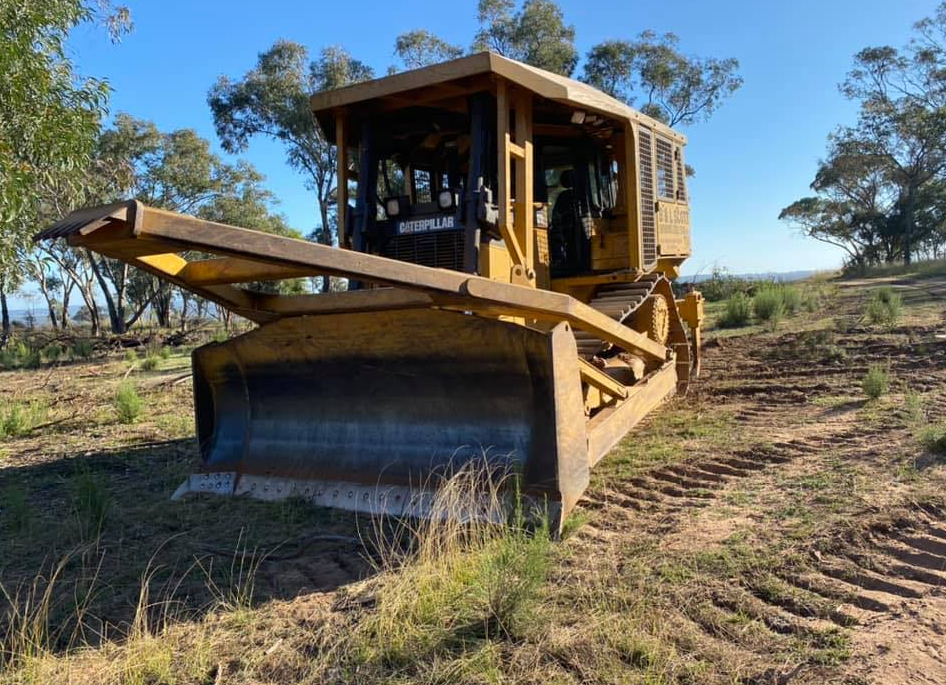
<point x="785" y="276"/>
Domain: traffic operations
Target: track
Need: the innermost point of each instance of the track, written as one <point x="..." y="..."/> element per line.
<point x="619" y="301"/>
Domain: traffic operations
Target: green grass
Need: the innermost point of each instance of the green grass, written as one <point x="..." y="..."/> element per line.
<point x="15" y="511"/>
<point x="933" y="438"/>
<point x="769" y="304"/>
<point x="454" y="590"/>
<point x="19" y="418"/>
<point x="90" y="503"/>
<point x="885" y="307"/>
<point x="876" y="382"/>
<point x="737" y="311"/>
<point x="127" y="403"/>
<point x="82" y="348"/>
<point x="913" y="410"/>
<point x="18" y="355"/>
<point x="150" y="362"/>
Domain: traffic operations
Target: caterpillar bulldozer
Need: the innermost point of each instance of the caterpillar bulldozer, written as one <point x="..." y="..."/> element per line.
<point x="508" y="238"/>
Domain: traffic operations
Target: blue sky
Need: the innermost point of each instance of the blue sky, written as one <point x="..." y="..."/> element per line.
<point x="755" y="156"/>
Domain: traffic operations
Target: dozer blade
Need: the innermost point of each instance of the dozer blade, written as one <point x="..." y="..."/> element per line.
<point x="361" y="411"/>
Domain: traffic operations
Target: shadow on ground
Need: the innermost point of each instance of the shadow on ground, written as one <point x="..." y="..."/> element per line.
<point x="105" y="519"/>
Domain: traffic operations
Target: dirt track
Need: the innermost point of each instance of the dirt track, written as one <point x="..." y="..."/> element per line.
<point x="803" y="468"/>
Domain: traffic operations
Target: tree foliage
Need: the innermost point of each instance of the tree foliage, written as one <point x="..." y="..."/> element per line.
<point x="49" y="116"/>
<point x="420" y="48"/>
<point x="176" y="171"/>
<point x="653" y="74"/>
<point x="535" y="34"/>
<point x="272" y="101"/>
<point x="881" y="191"/>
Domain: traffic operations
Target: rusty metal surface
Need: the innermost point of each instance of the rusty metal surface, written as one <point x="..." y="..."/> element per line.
<point x="394" y="399"/>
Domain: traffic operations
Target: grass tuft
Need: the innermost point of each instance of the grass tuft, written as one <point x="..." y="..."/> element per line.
<point x="885" y="307"/>
<point x="933" y="438"/>
<point x="737" y="312"/>
<point x="452" y="582"/>
<point x="15" y="511"/>
<point x="128" y="403"/>
<point x="876" y="382"/>
<point x="19" y="418"/>
<point x="90" y="503"/>
<point x="769" y="303"/>
<point x="150" y="362"/>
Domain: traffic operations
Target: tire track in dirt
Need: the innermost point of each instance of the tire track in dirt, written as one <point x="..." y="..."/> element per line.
<point x="886" y="575"/>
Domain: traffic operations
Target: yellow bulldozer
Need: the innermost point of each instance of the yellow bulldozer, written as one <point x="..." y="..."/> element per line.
<point x="508" y="237"/>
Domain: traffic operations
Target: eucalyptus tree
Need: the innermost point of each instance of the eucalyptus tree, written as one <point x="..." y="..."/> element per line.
<point x="535" y="34"/>
<point x="49" y="118"/>
<point x="420" y="48"/>
<point x="272" y="101"/>
<point x="173" y="170"/>
<point x="654" y="75"/>
<point x="898" y="148"/>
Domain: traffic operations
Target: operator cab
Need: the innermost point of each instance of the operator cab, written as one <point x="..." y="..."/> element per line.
<point x="577" y="182"/>
<point x="429" y="174"/>
<point x="488" y="166"/>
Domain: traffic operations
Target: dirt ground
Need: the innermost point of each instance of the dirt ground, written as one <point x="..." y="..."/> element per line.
<point x="772" y="526"/>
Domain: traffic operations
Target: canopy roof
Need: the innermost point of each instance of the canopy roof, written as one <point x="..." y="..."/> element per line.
<point x="543" y="83"/>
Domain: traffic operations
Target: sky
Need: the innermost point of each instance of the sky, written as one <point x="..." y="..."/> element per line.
<point x="756" y="155"/>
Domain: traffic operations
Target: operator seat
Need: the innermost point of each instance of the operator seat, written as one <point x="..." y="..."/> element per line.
<point x="565" y="227"/>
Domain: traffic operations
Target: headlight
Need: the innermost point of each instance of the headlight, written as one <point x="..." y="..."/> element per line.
<point x="445" y="199"/>
<point x="392" y="207"/>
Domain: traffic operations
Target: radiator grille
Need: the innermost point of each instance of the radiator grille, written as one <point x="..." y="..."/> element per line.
<point x="648" y="220"/>
<point x="443" y="250"/>
<point x="681" y="186"/>
<point x="665" y="168"/>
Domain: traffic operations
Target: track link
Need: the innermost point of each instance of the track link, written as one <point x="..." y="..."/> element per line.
<point x="619" y="301"/>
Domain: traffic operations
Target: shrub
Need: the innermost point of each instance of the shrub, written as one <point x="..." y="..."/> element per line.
<point x="885" y="307"/>
<point x="876" y="382"/>
<point x="33" y="360"/>
<point x="14" y="355"/>
<point x="722" y="285"/>
<point x="769" y="303"/>
<point x="131" y="357"/>
<point x="53" y="352"/>
<point x="737" y="311"/>
<point x="19" y="418"/>
<point x="150" y="363"/>
<point x="82" y="348"/>
<point x="128" y="403"/>
<point x="165" y="353"/>
<point x="791" y="298"/>
<point x="934" y="438"/>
